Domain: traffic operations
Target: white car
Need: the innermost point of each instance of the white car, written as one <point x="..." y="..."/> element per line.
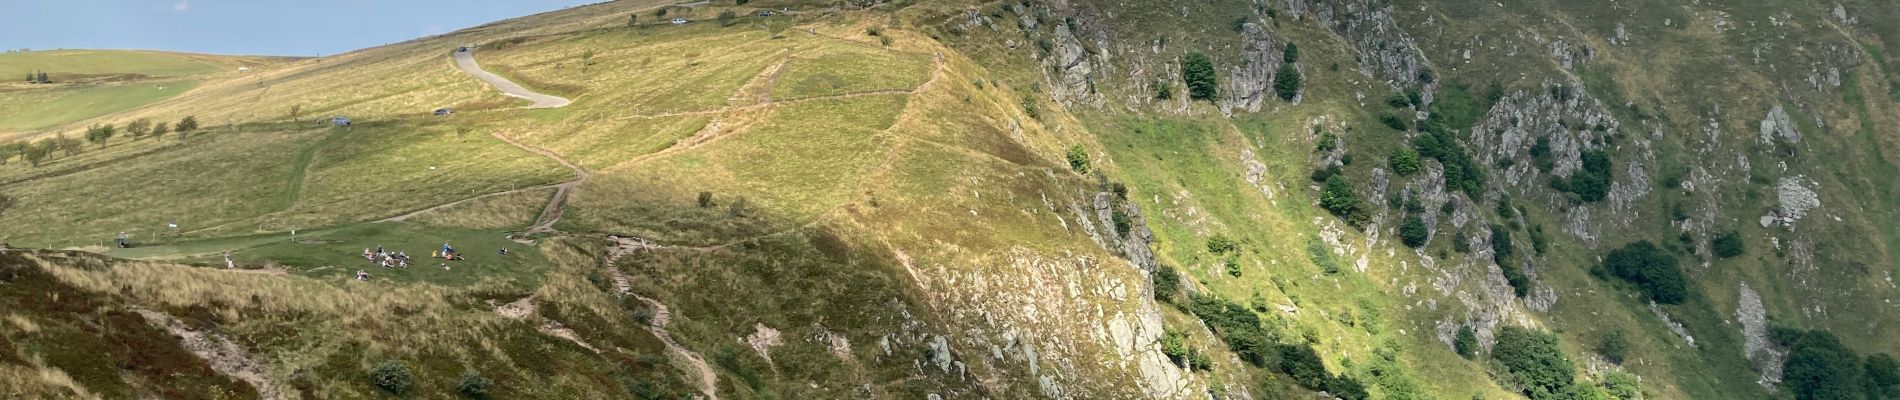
<point x="680" y="21"/>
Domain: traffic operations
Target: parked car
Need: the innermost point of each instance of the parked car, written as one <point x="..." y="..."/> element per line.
<point x="463" y="49"/>
<point x="443" y="111"/>
<point x="767" y="13"/>
<point x="340" y="121"/>
<point x="680" y="21"/>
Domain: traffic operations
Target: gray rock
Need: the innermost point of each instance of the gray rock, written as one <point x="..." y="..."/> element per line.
<point x="1776" y="124"/>
<point x="1249" y="81"/>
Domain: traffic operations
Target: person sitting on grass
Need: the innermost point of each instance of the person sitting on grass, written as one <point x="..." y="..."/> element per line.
<point x="362" y="275"/>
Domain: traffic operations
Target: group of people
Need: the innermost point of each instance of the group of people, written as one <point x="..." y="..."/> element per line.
<point x="386" y="259"/>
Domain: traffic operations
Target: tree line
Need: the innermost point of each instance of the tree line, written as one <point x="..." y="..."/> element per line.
<point x="36" y="152"/>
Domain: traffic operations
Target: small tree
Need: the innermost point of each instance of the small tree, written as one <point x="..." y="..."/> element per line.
<point x="159" y="130"/>
<point x="139" y="128"/>
<point x="1465" y="343"/>
<point x="1728" y="245"/>
<point x="1286" y="83"/>
<point x="1079" y="159"/>
<point x="726" y="17"/>
<point x="36" y="153"/>
<point x="474" y="385"/>
<point x="1198" y="71"/>
<point x="1291" y="54"/>
<point x="705" y="199"/>
<point x="43" y="78"/>
<point x="295" y="110"/>
<point x="1414" y="232"/>
<point x="70" y="145"/>
<point x="7" y="151"/>
<point x="392" y="377"/>
<point x="100" y="134"/>
<point x="1404" y="161"/>
<point x="633" y="20"/>
<point x="1614" y="347"/>
<point x="186" y="125"/>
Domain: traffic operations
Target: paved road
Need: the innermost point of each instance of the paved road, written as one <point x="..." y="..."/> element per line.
<point x="466" y="61"/>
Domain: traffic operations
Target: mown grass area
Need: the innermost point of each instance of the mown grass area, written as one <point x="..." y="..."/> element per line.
<point x="203" y="181"/>
<point x="36" y="109"/>
<point x="57" y="63"/>
<point x="338" y="254"/>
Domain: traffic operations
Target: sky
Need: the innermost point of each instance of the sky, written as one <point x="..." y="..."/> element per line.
<point x="247" y="27"/>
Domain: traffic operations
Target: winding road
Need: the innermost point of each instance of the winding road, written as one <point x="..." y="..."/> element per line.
<point x="465" y="60"/>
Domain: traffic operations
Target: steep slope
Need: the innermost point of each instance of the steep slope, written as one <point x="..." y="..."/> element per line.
<point x="1014" y="199"/>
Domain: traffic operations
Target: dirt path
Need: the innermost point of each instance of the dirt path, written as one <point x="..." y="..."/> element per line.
<point x="623" y="245"/>
<point x="557" y="206"/>
<point x="466" y="61"/>
<point x="224" y="356"/>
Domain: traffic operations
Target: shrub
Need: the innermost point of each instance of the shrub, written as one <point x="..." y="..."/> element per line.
<point x="1651" y="269"/>
<point x="1533" y="361"/>
<point x="1339" y="199"/>
<point x="1291" y="54"/>
<point x="1079" y="159"/>
<point x="1286" y="83"/>
<point x="1198" y="71"/>
<point x="1614" y="347"/>
<point x="474" y="385"/>
<point x="1539" y="243"/>
<point x="1514" y="274"/>
<point x="1728" y="245"/>
<point x="1030" y="109"/>
<point x="1460" y="242"/>
<point x="1465" y="343"/>
<point x="1167" y="283"/>
<point x="1236" y="325"/>
<point x="705" y="199"/>
<point x="1164" y="90"/>
<point x="1122" y="224"/>
<point x="1540" y="154"/>
<point x="1501" y="249"/>
<point x="726" y="17"/>
<point x="1820" y="367"/>
<point x="1221" y="244"/>
<point x="1883" y="376"/>
<point x="1394" y="121"/>
<point x="1621" y="386"/>
<point x="1174" y="345"/>
<point x="1300" y="362"/>
<point x="391" y="376"/>
<point x="1405" y="162"/>
<point x="1345" y="387"/>
<point x="1233" y="266"/>
<point x="884" y="40"/>
<point x="1316" y="251"/>
<point x="1413" y="232"/>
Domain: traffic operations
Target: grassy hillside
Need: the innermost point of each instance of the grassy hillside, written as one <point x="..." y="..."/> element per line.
<point x="1018" y="199"/>
<point x="89" y="83"/>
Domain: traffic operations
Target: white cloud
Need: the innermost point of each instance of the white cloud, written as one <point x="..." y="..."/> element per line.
<point x="182" y="6"/>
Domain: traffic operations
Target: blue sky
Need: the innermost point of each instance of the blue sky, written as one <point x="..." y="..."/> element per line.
<point x="256" y="27"/>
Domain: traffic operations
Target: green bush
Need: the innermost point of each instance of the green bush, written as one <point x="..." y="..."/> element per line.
<point x="1540" y="154"/>
<point x="1728" y="245"/>
<point x="1651" y="269"/>
<point x="474" y="385"/>
<point x="1621" y="385"/>
<point x="1514" y="274"/>
<point x="1404" y="161"/>
<point x="1300" y="362"/>
<point x="1287" y="83"/>
<point x="1413" y="232"/>
<point x="1317" y="252"/>
<point x="392" y="377"/>
<point x="1123" y="224"/>
<point x="1164" y="90"/>
<point x="1614" y="347"/>
<point x="1820" y="367"/>
<point x="1465" y="343"/>
<point x="1198" y="71"/>
<point x="1590" y="183"/>
<point x="1534" y="361"/>
<point x="1221" y="244"/>
<point x="1883" y="377"/>
<point x="1233" y="266"/>
<point x="1501" y="247"/>
<point x="1236" y="325"/>
<point x="1394" y="121"/>
<point x="1291" y="54"/>
<point x="1174" y="345"/>
<point x="1079" y="159"/>
<point x="1339" y="199"/>
<point x="1167" y="283"/>
<point x="1539" y="243"/>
